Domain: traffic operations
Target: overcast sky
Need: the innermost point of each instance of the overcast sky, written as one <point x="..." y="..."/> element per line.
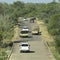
<point x="35" y="1"/>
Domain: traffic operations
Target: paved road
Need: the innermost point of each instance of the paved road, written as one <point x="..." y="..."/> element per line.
<point x="39" y="50"/>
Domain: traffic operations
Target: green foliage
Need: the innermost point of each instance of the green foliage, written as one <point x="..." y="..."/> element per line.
<point x="3" y="55"/>
<point x="54" y="29"/>
<point x="49" y="13"/>
<point x="57" y="39"/>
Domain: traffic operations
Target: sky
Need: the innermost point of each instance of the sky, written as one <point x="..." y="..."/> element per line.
<point x="34" y="1"/>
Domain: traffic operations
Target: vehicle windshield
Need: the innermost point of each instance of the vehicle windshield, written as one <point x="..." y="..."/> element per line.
<point x="24" y="32"/>
<point x="25" y="27"/>
<point x="24" y="44"/>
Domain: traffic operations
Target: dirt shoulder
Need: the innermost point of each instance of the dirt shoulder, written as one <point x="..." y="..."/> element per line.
<point x="16" y="34"/>
<point x="46" y="36"/>
<point x="44" y="31"/>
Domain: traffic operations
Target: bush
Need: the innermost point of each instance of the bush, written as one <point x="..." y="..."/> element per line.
<point x="11" y="44"/>
<point x="4" y="45"/>
<point x="57" y="40"/>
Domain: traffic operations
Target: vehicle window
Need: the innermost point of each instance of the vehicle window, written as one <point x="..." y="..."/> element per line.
<point x="24" y="32"/>
<point x="24" y="44"/>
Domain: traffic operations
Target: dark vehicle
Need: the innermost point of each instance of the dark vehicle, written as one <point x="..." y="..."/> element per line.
<point x="32" y="19"/>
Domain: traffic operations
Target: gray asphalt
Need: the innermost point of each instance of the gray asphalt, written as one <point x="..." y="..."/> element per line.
<point x="38" y="49"/>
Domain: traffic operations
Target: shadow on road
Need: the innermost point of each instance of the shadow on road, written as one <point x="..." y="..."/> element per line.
<point x="30" y="37"/>
<point x="31" y="52"/>
<point x="27" y="37"/>
<point x="28" y="52"/>
<point x="39" y="33"/>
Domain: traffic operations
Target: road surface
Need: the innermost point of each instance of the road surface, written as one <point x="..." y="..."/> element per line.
<point x="38" y="49"/>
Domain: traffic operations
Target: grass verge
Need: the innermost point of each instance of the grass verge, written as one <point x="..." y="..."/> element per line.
<point x="48" y="38"/>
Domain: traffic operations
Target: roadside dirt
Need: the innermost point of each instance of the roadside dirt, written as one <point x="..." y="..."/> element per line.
<point x="43" y="29"/>
<point x="46" y="36"/>
<point x="16" y="34"/>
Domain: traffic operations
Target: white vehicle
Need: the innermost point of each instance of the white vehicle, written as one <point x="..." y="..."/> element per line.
<point x="24" y="33"/>
<point x="24" y="19"/>
<point x="24" y="47"/>
<point x="25" y="28"/>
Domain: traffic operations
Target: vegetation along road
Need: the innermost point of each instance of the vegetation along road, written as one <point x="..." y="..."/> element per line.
<point x="11" y="19"/>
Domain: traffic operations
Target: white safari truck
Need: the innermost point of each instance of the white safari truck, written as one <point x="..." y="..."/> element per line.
<point x="35" y="30"/>
<point x="24" y="33"/>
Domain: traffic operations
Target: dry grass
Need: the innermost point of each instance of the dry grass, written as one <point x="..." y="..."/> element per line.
<point x="48" y="38"/>
<point x="16" y="34"/>
<point x="44" y="31"/>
